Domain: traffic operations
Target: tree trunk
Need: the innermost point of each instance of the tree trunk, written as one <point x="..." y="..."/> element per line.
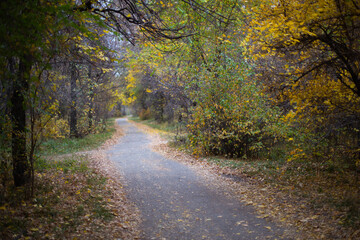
<point x="21" y="167"/>
<point x="91" y="101"/>
<point x="73" y="113"/>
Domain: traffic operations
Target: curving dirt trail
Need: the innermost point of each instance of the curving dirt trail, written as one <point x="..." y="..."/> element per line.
<point x="174" y="201"/>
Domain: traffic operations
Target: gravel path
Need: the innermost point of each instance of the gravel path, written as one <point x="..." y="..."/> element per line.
<point x="174" y="201"/>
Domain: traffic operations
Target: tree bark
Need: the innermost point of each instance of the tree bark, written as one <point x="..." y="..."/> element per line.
<point x="21" y="166"/>
<point x="91" y="101"/>
<point x="73" y="114"/>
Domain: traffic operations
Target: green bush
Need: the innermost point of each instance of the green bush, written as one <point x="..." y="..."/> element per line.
<point x="233" y="116"/>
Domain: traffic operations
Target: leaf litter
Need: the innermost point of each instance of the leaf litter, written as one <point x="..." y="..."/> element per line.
<point x="80" y="197"/>
<point x="296" y="205"/>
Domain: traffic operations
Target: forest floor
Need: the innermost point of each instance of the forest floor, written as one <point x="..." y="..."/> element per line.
<point x="316" y="203"/>
<point x="77" y="195"/>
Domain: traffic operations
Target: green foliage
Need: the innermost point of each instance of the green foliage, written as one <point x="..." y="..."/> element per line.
<point x="233" y="116"/>
<point x="238" y="130"/>
<point x="67" y="164"/>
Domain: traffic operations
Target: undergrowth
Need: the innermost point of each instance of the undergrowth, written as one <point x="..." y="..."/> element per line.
<point x="71" y="145"/>
<point x="69" y="199"/>
<point x="68" y="196"/>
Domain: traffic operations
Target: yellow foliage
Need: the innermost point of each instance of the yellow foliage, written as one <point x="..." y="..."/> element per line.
<point x="128" y="96"/>
<point x="55" y="127"/>
<point x="320" y="98"/>
<point x="316" y="93"/>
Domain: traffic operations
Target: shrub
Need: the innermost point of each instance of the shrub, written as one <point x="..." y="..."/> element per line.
<point x="234" y="118"/>
<point x="145" y="114"/>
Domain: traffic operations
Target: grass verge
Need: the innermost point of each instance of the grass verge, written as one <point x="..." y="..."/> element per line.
<point x="72" y="145"/>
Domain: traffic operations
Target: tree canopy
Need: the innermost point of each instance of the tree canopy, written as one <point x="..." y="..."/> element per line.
<point x="44" y="42"/>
